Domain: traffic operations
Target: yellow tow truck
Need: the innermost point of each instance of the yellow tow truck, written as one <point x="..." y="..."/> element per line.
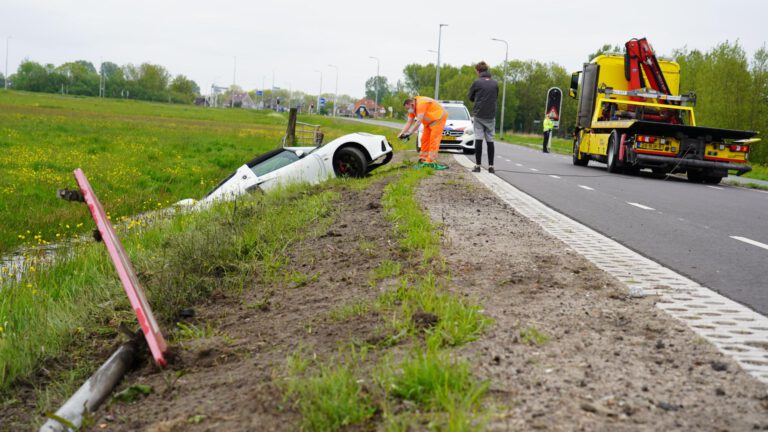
<point x="631" y="116"/>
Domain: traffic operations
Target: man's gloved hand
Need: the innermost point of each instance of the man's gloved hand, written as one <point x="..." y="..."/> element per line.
<point x="404" y="136"/>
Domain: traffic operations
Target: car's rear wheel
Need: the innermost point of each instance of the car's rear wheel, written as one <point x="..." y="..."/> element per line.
<point x="349" y="162"/>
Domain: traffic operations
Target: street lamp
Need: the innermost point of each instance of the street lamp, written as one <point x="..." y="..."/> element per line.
<point x="317" y="107"/>
<point x="504" y="85"/>
<point x="336" y="93"/>
<point x="6" y="61"/>
<point x="376" y="87"/>
<point x="437" y="75"/>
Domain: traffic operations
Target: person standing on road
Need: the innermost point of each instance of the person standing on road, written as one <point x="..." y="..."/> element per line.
<point x="484" y="92"/>
<point x="430" y="113"/>
<point x="548" y="126"/>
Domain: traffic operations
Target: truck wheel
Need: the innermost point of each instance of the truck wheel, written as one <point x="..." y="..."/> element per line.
<point x="613" y="153"/>
<point x="349" y="162"/>
<point x="584" y="161"/>
<point x="712" y="179"/>
<point x="695" y="176"/>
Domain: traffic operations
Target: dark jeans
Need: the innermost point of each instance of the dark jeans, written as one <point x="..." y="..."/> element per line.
<point x="545" y="144"/>
<point x="479" y="152"/>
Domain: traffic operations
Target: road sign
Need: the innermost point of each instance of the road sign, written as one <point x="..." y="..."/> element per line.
<point x="554" y="102"/>
<point x="125" y="271"/>
<point x="322" y="102"/>
<point x="259" y="92"/>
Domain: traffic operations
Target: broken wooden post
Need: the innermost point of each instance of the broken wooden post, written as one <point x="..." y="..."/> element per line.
<point x="290" y="134"/>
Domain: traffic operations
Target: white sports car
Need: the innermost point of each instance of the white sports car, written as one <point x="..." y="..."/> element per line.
<point x="352" y="155"/>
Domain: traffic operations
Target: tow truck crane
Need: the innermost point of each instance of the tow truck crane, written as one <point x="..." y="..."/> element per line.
<point x="631" y="116"/>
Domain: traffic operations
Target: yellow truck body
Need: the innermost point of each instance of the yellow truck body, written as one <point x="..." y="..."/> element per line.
<point x="634" y="129"/>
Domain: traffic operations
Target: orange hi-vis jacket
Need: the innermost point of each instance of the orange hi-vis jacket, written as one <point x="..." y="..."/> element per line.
<point x="432" y="110"/>
<point x="434" y="123"/>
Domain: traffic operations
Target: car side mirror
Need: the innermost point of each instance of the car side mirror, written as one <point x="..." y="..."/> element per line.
<point x="300" y="153"/>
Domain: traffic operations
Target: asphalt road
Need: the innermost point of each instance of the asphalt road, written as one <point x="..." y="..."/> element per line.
<point x="714" y="235"/>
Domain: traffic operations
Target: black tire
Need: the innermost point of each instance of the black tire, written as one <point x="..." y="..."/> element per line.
<point x="349" y="162"/>
<point x="612" y="159"/>
<point x="584" y="161"/>
<point x="713" y="179"/>
<point x="695" y="176"/>
<point x="468" y="151"/>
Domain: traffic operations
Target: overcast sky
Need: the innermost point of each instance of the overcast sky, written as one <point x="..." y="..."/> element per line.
<point x="292" y="40"/>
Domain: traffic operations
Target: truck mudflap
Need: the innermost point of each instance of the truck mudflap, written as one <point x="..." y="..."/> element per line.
<point x="693" y="163"/>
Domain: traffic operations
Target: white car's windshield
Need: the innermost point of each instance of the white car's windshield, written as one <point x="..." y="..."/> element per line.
<point x="457" y="113"/>
<point x="284" y="158"/>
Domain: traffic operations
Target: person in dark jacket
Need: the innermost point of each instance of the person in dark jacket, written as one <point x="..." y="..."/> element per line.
<point x="484" y="93"/>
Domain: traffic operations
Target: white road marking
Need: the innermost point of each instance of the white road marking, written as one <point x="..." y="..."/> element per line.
<point x="750" y="241"/>
<point x="517" y="164"/>
<point x="640" y="206"/>
<point x="715" y="187"/>
<point x="554" y="176"/>
<point x="533" y="169"/>
<point x="644" y="277"/>
<point x="507" y="160"/>
<point x="585" y="187"/>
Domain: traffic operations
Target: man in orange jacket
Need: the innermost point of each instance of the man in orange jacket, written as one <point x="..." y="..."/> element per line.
<point x="429" y="112"/>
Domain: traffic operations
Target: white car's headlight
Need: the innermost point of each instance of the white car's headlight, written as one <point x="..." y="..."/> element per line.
<point x="469" y="131"/>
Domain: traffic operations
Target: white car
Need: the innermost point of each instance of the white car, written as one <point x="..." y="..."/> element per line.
<point x="352" y="155"/>
<point x="459" y="132"/>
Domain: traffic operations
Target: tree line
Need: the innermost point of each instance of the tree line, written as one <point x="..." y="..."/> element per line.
<point x="144" y="82"/>
<point x="732" y="91"/>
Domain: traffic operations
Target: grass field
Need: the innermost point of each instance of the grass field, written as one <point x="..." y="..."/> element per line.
<point x="138" y="156"/>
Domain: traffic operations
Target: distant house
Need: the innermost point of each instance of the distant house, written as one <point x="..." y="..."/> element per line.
<point x="364" y="108"/>
<point x="202" y="101"/>
<point x="241" y="100"/>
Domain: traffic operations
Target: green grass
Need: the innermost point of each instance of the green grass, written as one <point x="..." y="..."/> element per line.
<point x="413" y="228"/>
<point x="329" y="399"/>
<point x="759" y="172"/>
<point x="138" y="156"/>
<point x="458" y="321"/>
<point x="180" y="261"/>
<point x="557" y="145"/>
<point x="434" y="381"/>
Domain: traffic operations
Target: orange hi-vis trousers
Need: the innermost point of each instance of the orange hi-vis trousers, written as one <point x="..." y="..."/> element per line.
<point x="430" y="140"/>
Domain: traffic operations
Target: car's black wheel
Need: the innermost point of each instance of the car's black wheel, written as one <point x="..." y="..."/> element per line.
<point x="584" y="158"/>
<point x="468" y="151"/>
<point x="349" y="162"/>
<point x="613" y="153"/>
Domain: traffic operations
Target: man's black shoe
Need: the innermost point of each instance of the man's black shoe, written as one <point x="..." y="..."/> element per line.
<point x="476" y="169"/>
<point x="491" y="170"/>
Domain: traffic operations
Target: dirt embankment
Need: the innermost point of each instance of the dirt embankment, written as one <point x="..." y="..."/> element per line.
<point x="568" y="350"/>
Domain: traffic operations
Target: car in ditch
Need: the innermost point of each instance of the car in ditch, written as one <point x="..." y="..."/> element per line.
<point x="459" y="133"/>
<point x="351" y="155"/>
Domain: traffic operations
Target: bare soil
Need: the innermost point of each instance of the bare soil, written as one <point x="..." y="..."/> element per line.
<point x="569" y="350"/>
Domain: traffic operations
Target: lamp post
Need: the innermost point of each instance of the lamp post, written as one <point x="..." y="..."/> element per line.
<point x="336" y="92"/>
<point x="437" y="75"/>
<point x="504" y="85"/>
<point x="376" y="87"/>
<point x="6" y="62"/>
<point x="317" y="107"/>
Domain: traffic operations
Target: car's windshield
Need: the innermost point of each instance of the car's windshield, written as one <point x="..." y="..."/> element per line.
<point x="279" y="160"/>
<point x="457" y="113"/>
